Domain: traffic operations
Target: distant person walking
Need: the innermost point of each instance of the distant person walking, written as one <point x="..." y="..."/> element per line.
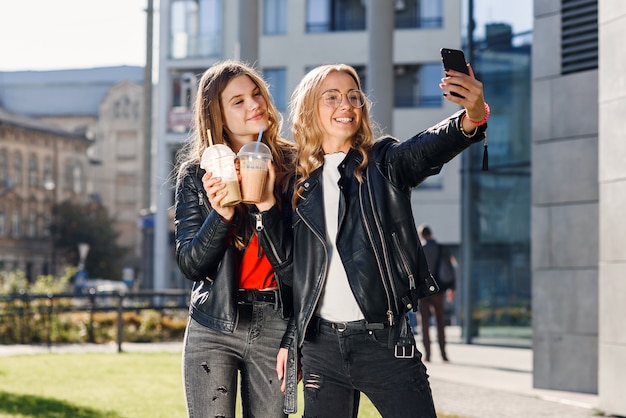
<point x="440" y="262"/>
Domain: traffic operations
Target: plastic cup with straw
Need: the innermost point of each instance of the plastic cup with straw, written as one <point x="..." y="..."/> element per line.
<point x="253" y="158"/>
<point x="219" y="159"/>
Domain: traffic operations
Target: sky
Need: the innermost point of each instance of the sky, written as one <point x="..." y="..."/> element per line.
<point x="64" y="34"/>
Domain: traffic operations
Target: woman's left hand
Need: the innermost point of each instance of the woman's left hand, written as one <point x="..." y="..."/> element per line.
<point x="471" y="89"/>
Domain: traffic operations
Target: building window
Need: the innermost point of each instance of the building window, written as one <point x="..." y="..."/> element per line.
<point x="4" y="169"/>
<point x="31" y="227"/>
<point x="196" y="29"/>
<point x="17" y="169"/>
<point x="16" y="225"/>
<point x="74" y="177"/>
<point x="275" y="17"/>
<point x="180" y="115"/>
<point x="417" y="85"/>
<point x="3" y="224"/>
<point x="277" y="80"/>
<point x="335" y="15"/>
<point x="33" y="171"/>
<point x="418" y="14"/>
<point x="47" y="220"/>
<point x="48" y="181"/>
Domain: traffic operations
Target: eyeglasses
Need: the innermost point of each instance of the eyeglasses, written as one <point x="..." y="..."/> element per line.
<point x="334" y="98"/>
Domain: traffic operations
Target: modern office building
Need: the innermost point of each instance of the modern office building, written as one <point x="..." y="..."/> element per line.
<point x="578" y="190"/>
<point x="286" y="38"/>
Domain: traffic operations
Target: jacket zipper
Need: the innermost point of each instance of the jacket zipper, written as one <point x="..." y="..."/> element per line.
<point x="386" y="283"/>
<point x="405" y="263"/>
<point x="260" y="229"/>
<point x="322" y="274"/>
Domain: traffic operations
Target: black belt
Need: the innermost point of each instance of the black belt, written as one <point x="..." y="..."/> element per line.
<point x="251" y="296"/>
<point x="361" y="325"/>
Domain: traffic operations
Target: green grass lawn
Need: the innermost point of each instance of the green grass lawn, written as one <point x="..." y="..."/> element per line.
<point x="100" y="385"/>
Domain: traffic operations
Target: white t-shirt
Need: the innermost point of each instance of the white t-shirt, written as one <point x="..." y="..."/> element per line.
<point x="337" y="302"/>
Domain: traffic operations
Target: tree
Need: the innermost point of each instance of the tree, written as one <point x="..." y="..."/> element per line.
<point x="90" y="223"/>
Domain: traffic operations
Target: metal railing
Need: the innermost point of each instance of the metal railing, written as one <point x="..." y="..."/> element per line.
<point x="21" y="307"/>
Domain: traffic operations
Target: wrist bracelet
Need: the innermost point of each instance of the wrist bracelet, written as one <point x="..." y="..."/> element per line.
<point x="483" y="120"/>
<point x="463" y="130"/>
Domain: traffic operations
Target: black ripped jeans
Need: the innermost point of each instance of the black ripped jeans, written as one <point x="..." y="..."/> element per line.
<point x="338" y="365"/>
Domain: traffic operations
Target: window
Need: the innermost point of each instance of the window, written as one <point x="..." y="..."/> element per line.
<point x="418" y="14"/>
<point x="48" y="181"/>
<point x="74" y="177"/>
<point x="17" y="169"/>
<point x="277" y="80"/>
<point x="33" y="171"/>
<point x="3" y="224"/>
<point x="196" y="28"/>
<point x="335" y="15"/>
<point x="417" y="85"/>
<point x="275" y="17"/>
<point x="31" y="227"/>
<point x="4" y="169"/>
<point x="15" y="225"/>
<point x="184" y="87"/>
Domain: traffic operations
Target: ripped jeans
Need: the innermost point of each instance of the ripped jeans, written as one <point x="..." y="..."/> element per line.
<point x="339" y="365"/>
<point x="212" y="361"/>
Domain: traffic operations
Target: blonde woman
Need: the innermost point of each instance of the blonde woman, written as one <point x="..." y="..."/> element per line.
<point x="233" y="254"/>
<point x="358" y="266"/>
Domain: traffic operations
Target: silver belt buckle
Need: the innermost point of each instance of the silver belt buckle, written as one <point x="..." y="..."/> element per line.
<point x="404" y="351"/>
<point x="340" y="326"/>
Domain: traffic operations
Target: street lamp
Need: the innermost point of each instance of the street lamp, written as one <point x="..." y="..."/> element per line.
<point x="81" y="274"/>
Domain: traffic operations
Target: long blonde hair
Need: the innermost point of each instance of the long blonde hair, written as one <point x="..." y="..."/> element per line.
<point x="306" y="125"/>
<point x="209" y="114"/>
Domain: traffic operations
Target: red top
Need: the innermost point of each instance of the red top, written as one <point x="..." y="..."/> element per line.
<point x="256" y="270"/>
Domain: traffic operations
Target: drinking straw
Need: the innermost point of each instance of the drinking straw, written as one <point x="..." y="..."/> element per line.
<point x="258" y="140"/>
<point x="208" y="133"/>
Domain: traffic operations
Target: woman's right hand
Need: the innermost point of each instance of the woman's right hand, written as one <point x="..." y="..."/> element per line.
<point x="216" y="190"/>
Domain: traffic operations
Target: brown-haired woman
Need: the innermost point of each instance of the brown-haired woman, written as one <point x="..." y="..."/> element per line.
<point x="233" y="254"/>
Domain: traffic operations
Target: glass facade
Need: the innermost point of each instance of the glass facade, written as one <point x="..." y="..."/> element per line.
<point x="496" y="239"/>
<point x="196" y="28"/>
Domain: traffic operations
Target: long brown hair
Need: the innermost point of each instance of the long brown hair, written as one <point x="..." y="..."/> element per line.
<point x="306" y="129"/>
<point x="208" y="114"/>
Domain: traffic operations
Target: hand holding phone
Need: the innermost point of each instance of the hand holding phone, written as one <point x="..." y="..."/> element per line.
<point x="454" y="59"/>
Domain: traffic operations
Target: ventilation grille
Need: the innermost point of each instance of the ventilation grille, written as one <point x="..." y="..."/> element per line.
<point x="579" y="35"/>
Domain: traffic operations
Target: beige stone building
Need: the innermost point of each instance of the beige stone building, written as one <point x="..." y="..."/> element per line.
<point x="40" y="165"/>
<point x="104" y="107"/>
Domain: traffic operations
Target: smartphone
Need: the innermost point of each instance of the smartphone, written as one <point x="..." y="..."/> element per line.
<point x="454" y="59"/>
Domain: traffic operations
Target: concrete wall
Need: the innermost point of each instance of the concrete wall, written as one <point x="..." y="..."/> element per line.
<point x="612" y="181"/>
<point x="565" y="214"/>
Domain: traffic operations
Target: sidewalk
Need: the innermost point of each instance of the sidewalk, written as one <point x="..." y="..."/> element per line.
<point x="496" y="382"/>
<point x="479" y="381"/>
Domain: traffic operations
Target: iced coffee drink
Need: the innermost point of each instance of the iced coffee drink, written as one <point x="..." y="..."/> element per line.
<point x="253" y="158"/>
<point x="219" y="159"/>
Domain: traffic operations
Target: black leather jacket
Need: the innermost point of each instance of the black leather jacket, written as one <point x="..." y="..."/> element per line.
<point x="205" y="256"/>
<point x="377" y="238"/>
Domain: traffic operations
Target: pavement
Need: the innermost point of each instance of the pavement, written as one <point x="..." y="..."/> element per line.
<point x="479" y="381"/>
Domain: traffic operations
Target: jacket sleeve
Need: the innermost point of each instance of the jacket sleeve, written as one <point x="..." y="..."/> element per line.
<point x="407" y="164"/>
<point x="201" y="233"/>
